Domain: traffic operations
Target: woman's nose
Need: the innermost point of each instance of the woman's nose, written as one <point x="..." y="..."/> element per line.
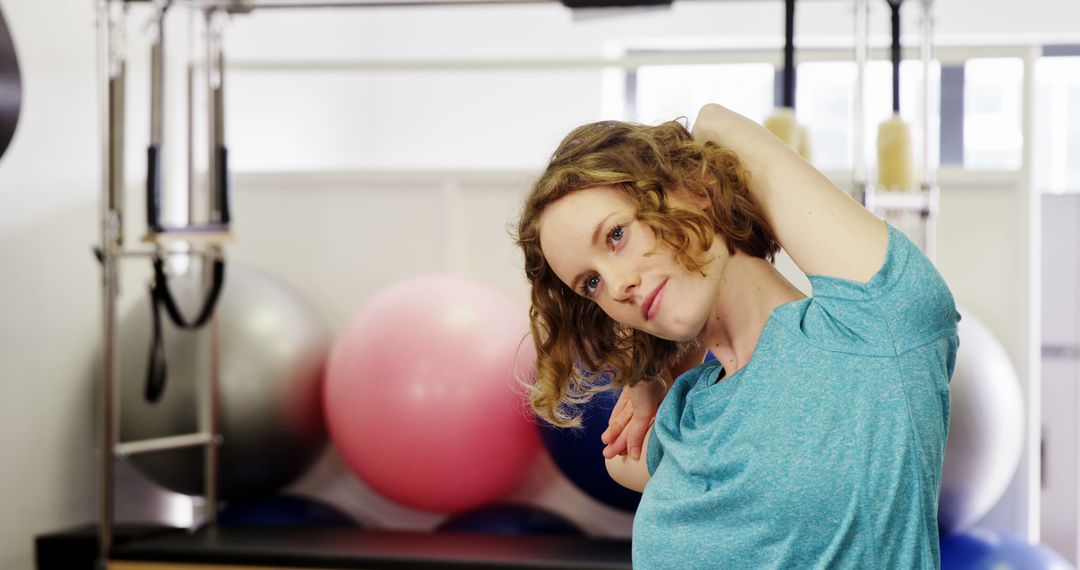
<point x="624" y="285"/>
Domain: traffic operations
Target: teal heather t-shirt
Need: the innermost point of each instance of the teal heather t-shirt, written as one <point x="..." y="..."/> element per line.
<point x="825" y="450"/>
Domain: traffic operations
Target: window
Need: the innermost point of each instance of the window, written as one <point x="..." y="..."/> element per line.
<point x="824" y="100"/>
<point x="664" y="92"/>
<point x="993" y="113"/>
<point x="1057" y="124"/>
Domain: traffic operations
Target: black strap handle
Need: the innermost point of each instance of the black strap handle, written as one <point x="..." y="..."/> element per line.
<point x="894" y="5"/>
<point x="789" y="54"/>
<point x="223" y="184"/>
<point x="155" y="364"/>
<point x="161" y="296"/>
<point x="153" y="188"/>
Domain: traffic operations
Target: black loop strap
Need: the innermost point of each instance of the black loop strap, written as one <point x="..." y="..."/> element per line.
<point x="160" y="295"/>
<point x="163" y="295"/>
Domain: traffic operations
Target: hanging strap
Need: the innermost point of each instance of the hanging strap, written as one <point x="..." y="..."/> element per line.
<point x="788" y="95"/>
<point x="894" y="6"/>
<point x="161" y="296"/>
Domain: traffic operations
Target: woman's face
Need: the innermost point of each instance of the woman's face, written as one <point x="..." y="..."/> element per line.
<point x="595" y="246"/>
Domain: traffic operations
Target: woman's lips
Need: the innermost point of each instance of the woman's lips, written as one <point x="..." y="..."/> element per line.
<point x="652" y="302"/>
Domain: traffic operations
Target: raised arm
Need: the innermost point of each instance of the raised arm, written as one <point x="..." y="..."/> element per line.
<point x="823" y="230"/>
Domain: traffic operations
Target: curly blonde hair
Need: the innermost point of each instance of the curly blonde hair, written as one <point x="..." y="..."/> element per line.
<point x="580" y="350"/>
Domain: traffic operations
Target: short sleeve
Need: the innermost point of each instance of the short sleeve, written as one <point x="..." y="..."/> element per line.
<point x="905" y="304"/>
<point x="654" y="453"/>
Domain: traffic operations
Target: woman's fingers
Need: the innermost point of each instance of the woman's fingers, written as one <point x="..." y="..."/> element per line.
<point x="635" y="435"/>
<point x="617" y="424"/>
<point x="618" y="447"/>
<point x="620" y="414"/>
<point x="630" y="419"/>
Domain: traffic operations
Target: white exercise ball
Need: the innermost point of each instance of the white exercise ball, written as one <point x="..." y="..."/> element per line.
<point x="986" y="428"/>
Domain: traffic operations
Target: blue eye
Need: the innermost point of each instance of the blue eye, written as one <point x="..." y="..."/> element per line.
<point x="614" y="236"/>
<point x="590" y="285"/>
<point x="615" y="230"/>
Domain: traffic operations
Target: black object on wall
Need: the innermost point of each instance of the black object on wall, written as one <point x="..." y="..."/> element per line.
<point x="10" y="87"/>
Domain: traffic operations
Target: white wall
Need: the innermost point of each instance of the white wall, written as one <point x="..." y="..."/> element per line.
<point x="49" y="300"/>
<point x="1061" y="374"/>
<point x="49" y="296"/>
<point x="982" y="252"/>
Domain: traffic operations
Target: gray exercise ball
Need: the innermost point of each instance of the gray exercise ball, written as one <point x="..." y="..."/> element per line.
<point x="273" y="346"/>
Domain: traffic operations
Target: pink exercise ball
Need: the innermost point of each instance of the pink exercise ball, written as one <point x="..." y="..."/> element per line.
<point x="421" y="398"/>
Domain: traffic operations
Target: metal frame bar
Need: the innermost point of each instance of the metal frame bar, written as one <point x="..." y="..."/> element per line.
<point x="249" y="5"/>
<point x="110" y="88"/>
<point x="111" y="16"/>
<point x="630" y="62"/>
<point x="293" y="4"/>
<point x="924" y="199"/>
<point x="213" y="75"/>
<point x="929" y="175"/>
<point x="860" y="177"/>
<point x="162" y="443"/>
<point x="1031" y="201"/>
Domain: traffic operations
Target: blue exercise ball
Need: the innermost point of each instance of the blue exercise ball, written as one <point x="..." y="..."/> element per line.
<point x="284" y="511"/>
<point x="579" y="454"/>
<point x="511" y="519"/>
<point x="986" y="549"/>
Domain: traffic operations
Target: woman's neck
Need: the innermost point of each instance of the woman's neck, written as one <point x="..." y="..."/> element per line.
<point x="749" y="289"/>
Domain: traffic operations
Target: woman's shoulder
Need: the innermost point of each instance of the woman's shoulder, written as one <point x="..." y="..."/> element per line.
<point x="906" y="303"/>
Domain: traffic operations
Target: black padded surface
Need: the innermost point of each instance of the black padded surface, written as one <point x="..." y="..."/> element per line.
<point x="77" y="548"/>
<point x="377" y="550"/>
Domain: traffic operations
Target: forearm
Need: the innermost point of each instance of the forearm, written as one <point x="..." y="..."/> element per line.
<point x="775" y="169"/>
<point x="810" y="216"/>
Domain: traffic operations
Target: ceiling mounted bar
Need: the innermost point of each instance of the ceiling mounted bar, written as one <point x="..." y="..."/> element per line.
<point x="234" y="6"/>
<point x="263" y="4"/>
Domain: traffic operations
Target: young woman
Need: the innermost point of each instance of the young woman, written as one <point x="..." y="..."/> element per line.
<point x="816" y="437"/>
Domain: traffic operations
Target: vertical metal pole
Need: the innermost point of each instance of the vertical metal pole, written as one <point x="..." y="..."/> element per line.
<point x="929" y="180"/>
<point x="861" y="185"/>
<point x="157" y="84"/>
<point x="111" y="116"/>
<point x="155" y="161"/>
<point x="190" y="118"/>
<point x="212" y="80"/>
<point x="1031" y="201"/>
<point x="219" y="205"/>
<point x="210" y="412"/>
<point x="117" y="87"/>
<point x="215" y="139"/>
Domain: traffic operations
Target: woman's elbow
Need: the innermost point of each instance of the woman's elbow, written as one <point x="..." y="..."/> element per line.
<point x="710" y="118"/>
